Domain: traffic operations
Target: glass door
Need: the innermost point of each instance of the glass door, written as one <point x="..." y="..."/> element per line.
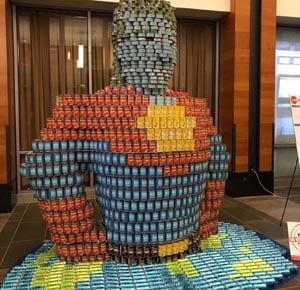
<point x="52" y="60"/>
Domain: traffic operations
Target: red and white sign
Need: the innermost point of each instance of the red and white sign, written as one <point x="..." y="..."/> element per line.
<point x="295" y="107"/>
<point x="294" y="240"/>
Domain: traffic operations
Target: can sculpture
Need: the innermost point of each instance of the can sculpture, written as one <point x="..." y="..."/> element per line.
<point x="160" y="165"/>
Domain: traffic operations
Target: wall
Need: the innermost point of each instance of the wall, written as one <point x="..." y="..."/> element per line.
<point x="7" y="144"/>
<point x="288" y="8"/>
<point x="4" y="92"/>
<point x="246" y="98"/>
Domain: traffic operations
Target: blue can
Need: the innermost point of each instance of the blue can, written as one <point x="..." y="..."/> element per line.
<point x="63" y="144"/>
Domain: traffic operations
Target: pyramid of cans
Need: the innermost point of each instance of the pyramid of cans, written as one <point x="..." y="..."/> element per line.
<point x="160" y="165"/>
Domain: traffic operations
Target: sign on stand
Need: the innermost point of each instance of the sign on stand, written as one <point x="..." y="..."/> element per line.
<point x="294" y="227"/>
<point x="294" y="240"/>
<point x="295" y="107"/>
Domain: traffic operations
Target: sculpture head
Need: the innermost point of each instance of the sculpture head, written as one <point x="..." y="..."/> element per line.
<point x="144" y="40"/>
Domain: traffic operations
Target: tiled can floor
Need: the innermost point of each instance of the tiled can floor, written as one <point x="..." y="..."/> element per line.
<point x="25" y="230"/>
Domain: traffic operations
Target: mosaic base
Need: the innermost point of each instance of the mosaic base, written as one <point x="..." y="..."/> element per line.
<point x="235" y="258"/>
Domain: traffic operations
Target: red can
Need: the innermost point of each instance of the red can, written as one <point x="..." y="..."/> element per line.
<point x="115" y="100"/>
<point x="75" y="123"/>
<point x="80" y="250"/>
<point x="67" y="111"/>
<point x="82" y="111"/>
<point x="59" y="123"/>
<point x="170" y="158"/>
<point x="142" y="134"/>
<point x="95" y="249"/>
<point x="57" y="217"/>
<point x="143" y="111"/>
<point x="101" y="100"/>
<point x="110" y="122"/>
<point x="55" y="113"/>
<point x="43" y="134"/>
<point x="135" y="135"/>
<point x="89" y="123"/>
<point x="127" y="111"/>
<point x="120" y="112"/>
<point x="135" y="111"/>
<point x="99" y="134"/>
<point x="167" y="170"/>
<point x="130" y="160"/>
<point x="130" y="100"/>
<point x="70" y="204"/>
<point x="138" y="100"/>
<point x="86" y="237"/>
<point x="90" y="111"/>
<point x="113" y="146"/>
<point x="102" y="123"/>
<point x="60" y="229"/>
<point x="75" y="228"/>
<point x="79" y="238"/>
<point x="94" y="236"/>
<point x="113" y="111"/>
<point x="123" y="99"/>
<point x="88" y="135"/>
<point x="108" y="99"/>
<point x="144" y="146"/>
<point x="136" y="146"/>
<point x="77" y="100"/>
<point x="61" y="112"/>
<point x="65" y="216"/>
<point x="93" y="100"/>
<point x="93" y="135"/>
<point x="98" y="112"/>
<point x="154" y="159"/>
<point x="81" y="135"/>
<point x="117" y="123"/>
<point x="66" y="134"/>
<point x="138" y="160"/>
<point x="85" y="100"/>
<point x="146" y="160"/>
<point x="50" y="134"/>
<point x="88" y="249"/>
<point x="162" y="159"/>
<point x="73" y="251"/>
<point x="121" y="146"/>
<point x="131" y="123"/>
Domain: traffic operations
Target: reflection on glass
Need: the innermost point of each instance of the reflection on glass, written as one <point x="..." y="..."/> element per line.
<point x="102" y="53"/>
<point x="287" y="83"/>
<point x="284" y="131"/>
<point x="49" y="44"/>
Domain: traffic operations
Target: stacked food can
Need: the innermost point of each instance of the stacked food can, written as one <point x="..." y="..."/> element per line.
<point x="160" y="166"/>
<point x="215" y="188"/>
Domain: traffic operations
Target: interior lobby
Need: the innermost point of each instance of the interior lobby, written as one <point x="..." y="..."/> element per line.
<point x="241" y="57"/>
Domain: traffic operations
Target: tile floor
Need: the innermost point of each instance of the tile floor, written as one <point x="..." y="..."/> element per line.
<point x="23" y="230"/>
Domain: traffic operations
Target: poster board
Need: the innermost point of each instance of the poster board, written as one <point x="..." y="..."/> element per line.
<point x="295" y="107"/>
<point x="294" y="240"/>
<point x="294" y="227"/>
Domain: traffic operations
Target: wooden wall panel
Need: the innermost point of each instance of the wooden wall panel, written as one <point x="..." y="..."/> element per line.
<point x="267" y="84"/>
<point x="234" y="81"/>
<point x="226" y="83"/>
<point x="3" y="91"/>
